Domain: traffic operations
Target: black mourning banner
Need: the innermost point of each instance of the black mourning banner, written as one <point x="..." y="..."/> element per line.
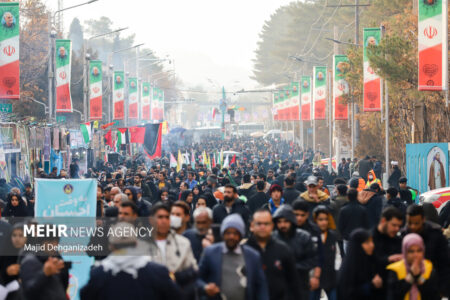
<point x="152" y="140"/>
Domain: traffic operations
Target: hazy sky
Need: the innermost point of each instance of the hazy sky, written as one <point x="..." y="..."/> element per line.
<point x="207" y="38"/>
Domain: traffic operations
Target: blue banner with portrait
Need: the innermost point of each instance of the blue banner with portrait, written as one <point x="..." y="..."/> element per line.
<point x="70" y="199"/>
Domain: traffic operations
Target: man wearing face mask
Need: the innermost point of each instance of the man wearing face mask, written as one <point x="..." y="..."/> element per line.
<point x="231" y="205"/>
<point x="172" y="250"/>
<point x="179" y="217"/>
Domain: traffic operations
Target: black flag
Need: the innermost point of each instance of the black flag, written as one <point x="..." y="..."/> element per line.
<point x="152" y="140"/>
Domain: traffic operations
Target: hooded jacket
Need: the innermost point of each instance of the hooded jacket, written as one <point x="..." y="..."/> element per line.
<point x="300" y="242"/>
<point x="374" y="180"/>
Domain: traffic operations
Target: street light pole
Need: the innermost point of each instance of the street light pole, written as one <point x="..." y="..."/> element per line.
<point x="52" y="36"/>
<point x="223" y="108"/>
<point x="86" y="58"/>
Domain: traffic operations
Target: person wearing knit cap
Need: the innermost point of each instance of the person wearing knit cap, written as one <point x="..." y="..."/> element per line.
<point x="413" y="277"/>
<point x="228" y="270"/>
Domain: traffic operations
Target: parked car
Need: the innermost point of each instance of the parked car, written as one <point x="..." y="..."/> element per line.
<point x="437" y="197"/>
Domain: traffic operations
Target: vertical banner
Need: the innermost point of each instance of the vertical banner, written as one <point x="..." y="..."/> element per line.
<point x="155" y="100"/>
<point x="320" y="92"/>
<point x="161" y="105"/>
<point x="372" y="82"/>
<point x="433" y="55"/>
<point x="69" y="200"/>
<point x="281" y="110"/>
<point x="9" y="51"/>
<point x="63" y="70"/>
<point x="274" y="106"/>
<point x="340" y="86"/>
<point x="306" y="98"/>
<point x="295" y="101"/>
<point x="145" y="105"/>
<point x="95" y="89"/>
<point x="133" y="109"/>
<point x="118" y="96"/>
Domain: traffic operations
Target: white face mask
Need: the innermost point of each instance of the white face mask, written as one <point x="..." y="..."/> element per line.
<point x="175" y="222"/>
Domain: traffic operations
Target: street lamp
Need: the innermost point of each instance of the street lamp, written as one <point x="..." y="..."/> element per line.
<point x="112" y="70"/>
<point x="87" y="57"/>
<point x="52" y="36"/>
<point x="343" y="43"/>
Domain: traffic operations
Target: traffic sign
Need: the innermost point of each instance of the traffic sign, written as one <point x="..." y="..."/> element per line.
<point x="6" y="107"/>
<point x="60" y="119"/>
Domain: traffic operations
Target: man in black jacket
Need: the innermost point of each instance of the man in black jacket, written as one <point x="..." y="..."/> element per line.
<point x="231" y="205"/>
<point x="259" y="199"/>
<point x="353" y="215"/>
<point x="276" y="257"/>
<point x="388" y="244"/>
<point x="44" y="275"/>
<point x="300" y="242"/>
<point x="289" y="192"/>
<point x="365" y="166"/>
<point x="436" y="248"/>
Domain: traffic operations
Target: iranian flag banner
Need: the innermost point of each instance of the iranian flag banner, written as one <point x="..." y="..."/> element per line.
<point x="340" y="86"/>
<point x="161" y="105"/>
<point x="9" y="51"/>
<point x="63" y="71"/>
<point x="155" y="100"/>
<point x="95" y="89"/>
<point x="133" y="104"/>
<point x="433" y="55"/>
<point x="118" y="96"/>
<point x="145" y="99"/>
<point x="372" y="82"/>
<point x="282" y="105"/>
<point x="306" y="97"/>
<point x="275" y="106"/>
<point x="320" y="92"/>
<point x="295" y="101"/>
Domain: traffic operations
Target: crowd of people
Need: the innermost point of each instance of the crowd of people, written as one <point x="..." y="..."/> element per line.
<point x="274" y="224"/>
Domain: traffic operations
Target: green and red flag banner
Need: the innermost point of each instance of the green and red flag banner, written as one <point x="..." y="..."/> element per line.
<point x="9" y="51"/>
<point x="295" y="101"/>
<point x="154" y="105"/>
<point x="372" y="82"/>
<point x="157" y="104"/>
<point x="145" y="101"/>
<point x="152" y="140"/>
<point x="340" y="86"/>
<point x="133" y="101"/>
<point x="119" y="95"/>
<point x="86" y="131"/>
<point x="161" y="105"/>
<point x="63" y="70"/>
<point x="306" y="98"/>
<point x="282" y="107"/>
<point x="433" y="55"/>
<point x="320" y="92"/>
<point x="95" y="90"/>
<point x="121" y="136"/>
<point x="275" y="106"/>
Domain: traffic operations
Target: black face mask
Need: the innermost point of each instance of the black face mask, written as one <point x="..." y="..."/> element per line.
<point x="227" y="199"/>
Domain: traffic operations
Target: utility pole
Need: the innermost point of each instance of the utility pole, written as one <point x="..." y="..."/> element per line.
<point x="330" y="120"/>
<point x="223" y="108"/>
<point x="355" y="107"/>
